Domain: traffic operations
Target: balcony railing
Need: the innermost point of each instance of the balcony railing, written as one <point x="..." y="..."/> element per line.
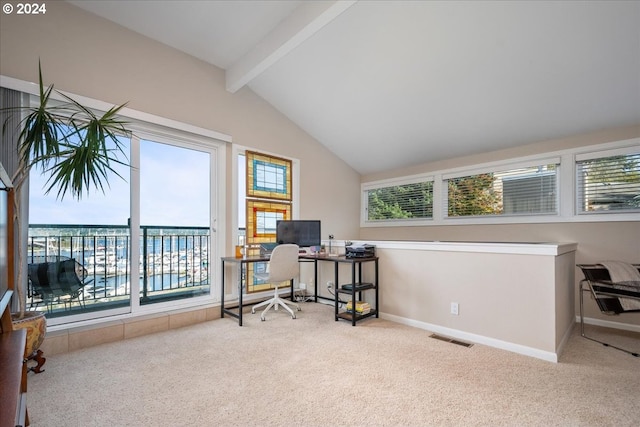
<point x="174" y="264"/>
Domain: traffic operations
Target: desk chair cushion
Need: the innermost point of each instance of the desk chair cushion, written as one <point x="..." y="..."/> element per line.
<point x="283" y="263"/>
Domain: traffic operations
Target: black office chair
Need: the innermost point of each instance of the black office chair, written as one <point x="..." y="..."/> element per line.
<point x="58" y="281"/>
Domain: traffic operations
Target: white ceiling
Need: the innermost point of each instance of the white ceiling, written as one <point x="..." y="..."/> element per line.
<point x="387" y="84"/>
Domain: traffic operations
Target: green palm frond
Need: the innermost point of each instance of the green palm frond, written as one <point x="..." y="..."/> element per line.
<point x="77" y="148"/>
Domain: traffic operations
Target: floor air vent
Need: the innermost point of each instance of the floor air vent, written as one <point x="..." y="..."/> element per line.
<point x="451" y="340"/>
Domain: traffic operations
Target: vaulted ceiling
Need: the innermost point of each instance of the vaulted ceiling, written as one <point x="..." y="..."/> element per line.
<point x="388" y="84"/>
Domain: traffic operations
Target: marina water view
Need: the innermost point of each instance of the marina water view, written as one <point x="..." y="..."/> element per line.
<point x="174" y="264"/>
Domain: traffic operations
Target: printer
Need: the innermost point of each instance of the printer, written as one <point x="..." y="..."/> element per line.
<point x="360" y="251"/>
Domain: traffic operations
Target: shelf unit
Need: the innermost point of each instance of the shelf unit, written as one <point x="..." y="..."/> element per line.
<point x="356" y="288"/>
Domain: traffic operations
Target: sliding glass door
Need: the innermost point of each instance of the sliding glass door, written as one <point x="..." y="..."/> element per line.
<point x="94" y="232"/>
<point x="145" y="244"/>
<point x="175" y="238"/>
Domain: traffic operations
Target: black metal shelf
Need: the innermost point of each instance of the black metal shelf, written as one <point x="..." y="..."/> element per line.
<point x="347" y="288"/>
<point x="355" y="288"/>
<point x="349" y="316"/>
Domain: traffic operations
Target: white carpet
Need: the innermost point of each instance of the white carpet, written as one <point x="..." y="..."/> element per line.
<point x="313" y="371"/>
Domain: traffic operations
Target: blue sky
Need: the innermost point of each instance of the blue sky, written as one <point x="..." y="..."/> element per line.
<point x="174" y="188"/>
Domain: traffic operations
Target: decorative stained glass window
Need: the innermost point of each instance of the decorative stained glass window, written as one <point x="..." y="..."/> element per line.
<point x="268" y="177"/>
<point x="268" y="201"/>
<point x="262" y="217"/>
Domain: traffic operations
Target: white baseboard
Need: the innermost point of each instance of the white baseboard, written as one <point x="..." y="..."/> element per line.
<point x="478" y="339"/>
<point x="609" y="324"/>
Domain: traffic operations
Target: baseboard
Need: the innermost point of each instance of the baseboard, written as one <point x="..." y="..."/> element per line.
<point x="609" y="324"/>
<point x="478" y="339"/>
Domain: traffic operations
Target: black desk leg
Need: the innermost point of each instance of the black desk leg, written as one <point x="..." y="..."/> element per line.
<point x="240" y="293"/>
<point x="315" y="280"/>
<point x="222" y="296"/>
<point x="335" y="289"/>
<point x="375" y="264"/>
<point x="353" y="293"/>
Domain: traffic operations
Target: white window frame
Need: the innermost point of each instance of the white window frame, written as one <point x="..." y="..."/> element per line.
<point x="567" y="193"/>
<point x="499" y="168"/>
<point x="238" y="150"/>
<point x="375" y="185"/>
<point x="152" y="126"/>
<point x="595" y="155"/>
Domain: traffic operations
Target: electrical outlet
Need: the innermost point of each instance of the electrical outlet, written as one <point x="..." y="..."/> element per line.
<point x="454" y="308"/>
<point x="330" y="285"/>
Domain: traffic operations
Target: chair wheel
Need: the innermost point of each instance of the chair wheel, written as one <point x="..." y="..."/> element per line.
<point x="262" y="318"/>
<point x="299" y="309"/>
<point x="293" y="316"/>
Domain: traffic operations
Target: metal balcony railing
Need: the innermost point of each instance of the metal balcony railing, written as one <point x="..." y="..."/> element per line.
<point x="174" y="264"/>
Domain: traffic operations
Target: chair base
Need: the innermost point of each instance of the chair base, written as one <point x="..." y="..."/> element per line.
<point x="276" y="302"/>
<point x="582" y="289"/>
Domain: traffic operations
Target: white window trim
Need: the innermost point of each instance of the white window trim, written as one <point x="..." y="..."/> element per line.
<point x="155" y="126"/>
<point x="295" y="182"/>
<point x="374" y="185"/>
<point x="594" y="155"/>
<point x="500" y="166"/>
<point x="622" y="151"/>
<point x="566" y="188"/>
<point x="139" y="116"/>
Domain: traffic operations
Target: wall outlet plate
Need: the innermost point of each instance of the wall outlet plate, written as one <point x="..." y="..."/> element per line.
<point x="454" y="308"/>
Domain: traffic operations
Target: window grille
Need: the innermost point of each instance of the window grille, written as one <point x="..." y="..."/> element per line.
<point x="608" y="184"/>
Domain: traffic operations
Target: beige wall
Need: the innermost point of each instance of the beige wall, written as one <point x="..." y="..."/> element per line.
<point x="609" y="135"/>
<point x="92" y="57"/>
<point x="419" y="284"/>
<point x="597" y="241"/>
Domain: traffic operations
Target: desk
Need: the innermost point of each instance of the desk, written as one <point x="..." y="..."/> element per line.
<point x="242" y="274"/>
<point x="356" y="275"/>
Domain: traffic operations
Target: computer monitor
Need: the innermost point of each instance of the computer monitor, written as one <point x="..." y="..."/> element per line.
<point x="304" y="233"/>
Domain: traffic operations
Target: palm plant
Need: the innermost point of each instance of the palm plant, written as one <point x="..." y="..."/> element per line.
<point x="68" y="142"/>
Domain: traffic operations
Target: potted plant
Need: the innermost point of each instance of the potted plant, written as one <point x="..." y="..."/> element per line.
<point x="71" y="144"/>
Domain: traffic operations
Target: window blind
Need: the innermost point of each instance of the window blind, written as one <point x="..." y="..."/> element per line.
<point x="404" y="201"/>
<point x="608" y="184"/>
<point x="531" y="190"/>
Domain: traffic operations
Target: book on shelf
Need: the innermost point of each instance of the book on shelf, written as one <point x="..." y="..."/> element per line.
<point x="362" y="307"/>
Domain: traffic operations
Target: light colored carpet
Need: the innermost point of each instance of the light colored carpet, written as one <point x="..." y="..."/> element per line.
<point x="313" y="371"/>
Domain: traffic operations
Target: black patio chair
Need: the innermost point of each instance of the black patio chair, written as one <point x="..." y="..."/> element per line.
<point x="58" y="281"/>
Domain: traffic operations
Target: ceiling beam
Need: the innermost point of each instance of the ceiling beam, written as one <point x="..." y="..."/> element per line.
<point x="304" y="22"/>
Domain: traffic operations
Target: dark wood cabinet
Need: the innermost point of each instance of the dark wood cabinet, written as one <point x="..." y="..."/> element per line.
<point x="13" y="370"/>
